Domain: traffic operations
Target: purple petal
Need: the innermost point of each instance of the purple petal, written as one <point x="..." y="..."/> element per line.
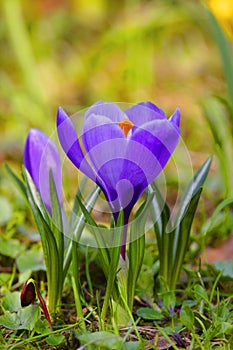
<point x="108" y="109"/>
<point x="175" y="118"/>
<point x="107" y="159"/>
<point x="70" y="143"/>
<point x="98" y="129"/>
<point x="153" y="107"/>
<point x="124" y="172"/>
<point x="160" y="137"/>
<point x="143" y="113"/>
<point x="41" y="155"/>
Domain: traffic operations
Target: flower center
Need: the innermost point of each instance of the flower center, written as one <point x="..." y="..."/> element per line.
<point x="126" y="125"/>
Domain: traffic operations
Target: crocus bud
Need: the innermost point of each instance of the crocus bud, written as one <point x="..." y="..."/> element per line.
<point x="40" y="156"/>
<point x="28" y="294"/>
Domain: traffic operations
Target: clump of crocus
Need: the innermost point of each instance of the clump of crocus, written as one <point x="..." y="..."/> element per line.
<point x="40" y="156"/>
<point x="122" y="151"/>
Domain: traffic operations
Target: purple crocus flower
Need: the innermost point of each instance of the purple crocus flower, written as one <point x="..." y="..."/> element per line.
<point x="122" y="151"/>
<point x="41" y="155"/>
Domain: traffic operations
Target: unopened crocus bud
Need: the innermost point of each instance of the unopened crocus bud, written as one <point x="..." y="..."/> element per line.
<point x="28" y="294"/>
<point x="40" y="156"/>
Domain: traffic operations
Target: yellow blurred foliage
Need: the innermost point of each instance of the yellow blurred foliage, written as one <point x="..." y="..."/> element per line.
<point x="223" y="11"/>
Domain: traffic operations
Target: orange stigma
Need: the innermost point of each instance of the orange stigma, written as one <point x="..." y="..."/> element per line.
<point x="126" y="125"/>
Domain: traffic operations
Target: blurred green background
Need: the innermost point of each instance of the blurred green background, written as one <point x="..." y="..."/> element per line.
<point x="71" y="53"/>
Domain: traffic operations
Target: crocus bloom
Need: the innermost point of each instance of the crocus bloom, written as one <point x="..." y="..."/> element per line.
<point x="41" y="155"/>
<point x="122" y="151"/>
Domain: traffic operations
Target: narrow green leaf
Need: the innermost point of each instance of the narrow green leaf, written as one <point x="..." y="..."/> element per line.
<point x="194" y="186"/>
<point x="182" y="233"/>
<point x="55" y="204"/>
<point x="221" y="128"/>
<point x="160" y="214"/>
<point x="17" y="180"/>
<point x="137" y="247"/>
<point x="224" y="204"/>
<point x="104" y="255"/>
<point x="117" y="235"/>
<point x="57" y="227"/>
<point x="165" y="236"/>
<point x="78" y="194"/>
<point x="34" y="194"/>
<point x="77" y="225"/>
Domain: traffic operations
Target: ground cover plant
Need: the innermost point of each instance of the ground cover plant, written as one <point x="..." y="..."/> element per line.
<point x="105" y="218"/>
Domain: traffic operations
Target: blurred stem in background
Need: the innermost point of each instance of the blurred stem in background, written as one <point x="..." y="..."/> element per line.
<point x="225" y="52"/>
<point x="20" y="42"/>
<point x="218" y="109"/>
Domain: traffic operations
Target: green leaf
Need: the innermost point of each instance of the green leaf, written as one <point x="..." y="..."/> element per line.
<point x="17" y="180"/>
<point x="42" y="326"/>
<point x="31" y="260"/>
<point x="136" y="345"/>
<point x="194" y="186"/>
<point x="5" y="210"/>
<point x="10" y="320"/>
<point x="104" y="255"/>
<point x="226" y="267"/>
<point x="114" y="252"/>
<point x="57" y="228"/>
<point x="162" y="226"/>
<point x="101" y="340"/>
<point x="23" y="319"/>
<point x="187" y="317"/>
<point x="77" y="225"/>
<point x="34" y="196"/>
<point x="5" y="278"/>
<point x="11" y="247"/>
<point x="11" y="302"/>
<point x="200" y="293"/>
<point x="221" y="129"/>
<point x="160" y="214"/>
<point x="215" y="216"/>
<point x="137" y="247"/>
<point x="55" y="339"/>
<point x="182" y="233"/>
<point x="149" y="314"/>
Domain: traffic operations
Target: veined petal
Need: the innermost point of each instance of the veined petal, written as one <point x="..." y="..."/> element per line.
<point x="175" y="118"/>
<point x="70" y="143"/>
<point x="107" y="109"/>
<point x="143" y="112"/>
<point x="152" y="106"/>
<point x="41" y="155"/>
<point x="98" y="129"/>
<point x="160" y="137"/>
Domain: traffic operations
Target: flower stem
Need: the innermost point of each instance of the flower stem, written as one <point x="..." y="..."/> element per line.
<point x="44" y="307"/>
<point x="76" y="284"/>
<point x="123" y="245"/>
